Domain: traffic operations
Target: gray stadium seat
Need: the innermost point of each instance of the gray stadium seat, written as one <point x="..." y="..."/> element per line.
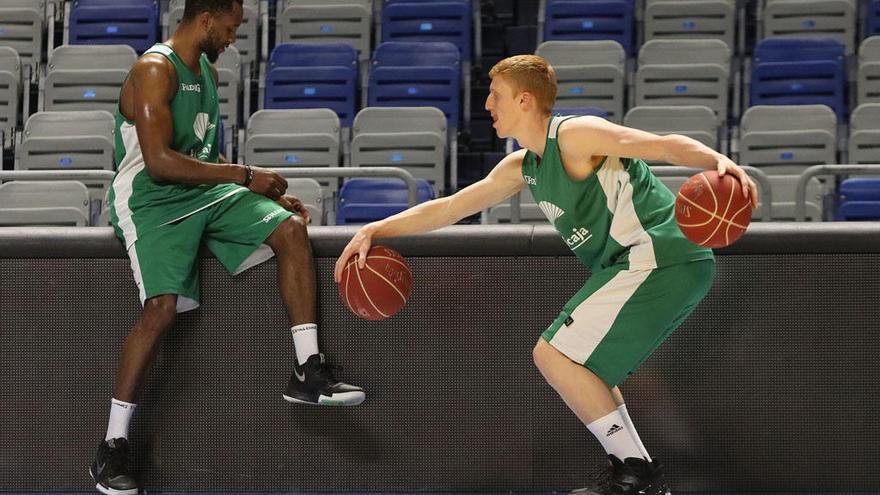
<point x="326" y="20"/>
<point x="869" y="71"/>
<point x="22" y="25"/>
<point x="864" y="140"/>
<point x="229" y="93"/>
<point x="694" y="121"/>
<point x="785" y="140"/>
<point x="690" y="19"/>
<point x="805" y="18"/>
<point x="86" y="77"/>
<point x="309" y="191"/>
<point x="529" y="211"/>
<point x="589" y="74"/>
<point x="69" y="140"/>
<point x="684" y="72"/>
<point x="295" y="138"/>
<point x="63" y="203"/>
<point x="412" y="138"/>
<point x="247" y="40"/>
<point x="10" y="90"/>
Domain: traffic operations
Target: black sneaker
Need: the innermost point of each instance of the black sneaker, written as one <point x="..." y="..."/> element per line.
<point x="314" y="383"/>
<point x="111" y="469"/>
<point x="632" y="476"/>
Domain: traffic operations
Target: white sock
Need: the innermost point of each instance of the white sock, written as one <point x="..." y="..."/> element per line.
<point x="632" y="431"/>
<point x="120" y="417"/>
<point x="613" y="434"/>
<point x="305" y="341"/>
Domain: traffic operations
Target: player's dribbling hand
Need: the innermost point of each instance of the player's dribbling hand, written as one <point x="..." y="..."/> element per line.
<point x="294" y="205"/>
<point x="359" y="244"/>
<point x="268" y="183"/>
<point x="750" y="190"/>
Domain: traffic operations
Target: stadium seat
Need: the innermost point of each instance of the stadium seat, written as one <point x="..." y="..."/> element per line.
<point x="86" y="77"/>
<point x="872" y="18"/>
<point x="784" y="141"/>
<point x="412" y="138"/>
<point x="864" y="138"/>
<point x="417" y="74"/>
<point x="21" y="27"/>
<point x="859" y="199"/>
<point x="44" y="203"/>
<point x="694" y="121"/>
<point x="10" y="91"/>
<point x="111" y="22"/>
<point x="868" y="79"/>
<point x="693" y="19"/>
<point x="229" y="88"/>
<point x="590" y="20"/>
<point x="295" y="138"/>
<point x="588" y="74"/>
<point x="799" y="71"/>
<point x="323" y="21"/>
<point x="529" y="211"/>
<point x="311" y="194"/>
<point x="313" y="75"/>
<point x="806" y="18"/>
<point x="684" y="72"/>
<point x="367" y="200"/>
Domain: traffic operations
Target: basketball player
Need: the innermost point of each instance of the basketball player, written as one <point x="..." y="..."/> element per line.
<point x="171" y="192"/>
<point x="588" y="177"/>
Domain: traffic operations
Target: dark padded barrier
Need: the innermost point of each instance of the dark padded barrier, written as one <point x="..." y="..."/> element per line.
<point x="771" y="385"/>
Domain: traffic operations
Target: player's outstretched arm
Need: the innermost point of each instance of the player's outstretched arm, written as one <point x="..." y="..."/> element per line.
<point x="154" y="85"/>
<point x="595" y="136"/>
<point x="502" y="182"/>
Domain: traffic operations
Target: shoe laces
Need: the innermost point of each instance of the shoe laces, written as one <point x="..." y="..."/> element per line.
<point x="117" y="458"/>
<point x="325" y="371"/>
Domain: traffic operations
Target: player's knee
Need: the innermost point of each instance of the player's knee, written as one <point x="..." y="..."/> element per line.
<point x="292" y="231"/>
<point x="159" y="313"/>
<point x="541" y="355"/>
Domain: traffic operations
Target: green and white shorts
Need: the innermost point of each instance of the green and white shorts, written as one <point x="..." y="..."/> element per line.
<point x="165" y="259"/>
<point x="621" y="316"/>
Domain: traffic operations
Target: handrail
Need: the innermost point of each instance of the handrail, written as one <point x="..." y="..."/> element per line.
<point x="800" y="205"/>
<point x="286" y="172"/>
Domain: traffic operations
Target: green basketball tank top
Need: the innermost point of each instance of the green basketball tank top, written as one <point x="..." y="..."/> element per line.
<point x="619" y="214"/>
<point x="138" y="203"/>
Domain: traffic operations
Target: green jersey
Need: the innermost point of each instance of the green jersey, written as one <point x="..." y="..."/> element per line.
<point x="620" y="214"/>
<point x="138" y="203"/>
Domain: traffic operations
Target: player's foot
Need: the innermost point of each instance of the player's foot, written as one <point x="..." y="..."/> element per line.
<point x="632" y="476"/>
<point x="111" y="469"/>
<point x="314" y="383"/>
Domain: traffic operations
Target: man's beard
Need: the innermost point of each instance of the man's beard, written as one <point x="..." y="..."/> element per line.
<point x="211" y="48"/>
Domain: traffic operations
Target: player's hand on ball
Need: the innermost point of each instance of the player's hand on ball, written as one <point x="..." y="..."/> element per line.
<point x="268" y="183"/>
<point x="749" y="189"/>
<point x="294" y="205"/>
<point x="360" y="245"/>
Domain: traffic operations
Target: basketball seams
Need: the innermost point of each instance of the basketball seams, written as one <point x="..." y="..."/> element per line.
<point x="367" y="295"/>
<point x="726" y="209"/>
<point x="389" y="258"/>
<point x="704" y="210"/>
<point x="387" y="282"/>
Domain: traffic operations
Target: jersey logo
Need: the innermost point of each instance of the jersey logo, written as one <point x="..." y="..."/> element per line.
<point x="551" y="211"/>
<point x="530" y="180"/>
<point x="191" y="87"/>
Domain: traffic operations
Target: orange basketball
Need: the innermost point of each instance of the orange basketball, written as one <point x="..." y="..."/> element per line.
<point x="711" y="210"/>
<point x="379" y="290"/>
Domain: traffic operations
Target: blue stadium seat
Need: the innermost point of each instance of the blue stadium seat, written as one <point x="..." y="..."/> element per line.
<point x="366" y="200"/>
<point x="799" y="71"/>
<point x="859" y="200"/>
<point x="115" y="22"/>
<point x="590" y="20"/>
<point x="429" y="21"/>
<point x="417" y="74"/>
<point x="872" y="19"/>
<point x="313" y="75"/>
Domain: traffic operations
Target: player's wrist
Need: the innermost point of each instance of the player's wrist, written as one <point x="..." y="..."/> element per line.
<point x="247" y="176"/>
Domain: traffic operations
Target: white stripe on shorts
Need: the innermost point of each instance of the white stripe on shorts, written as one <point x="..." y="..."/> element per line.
<point x="594" y="317"/>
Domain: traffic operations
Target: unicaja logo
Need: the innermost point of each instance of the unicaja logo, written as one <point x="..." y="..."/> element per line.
<point x="552" y="211"/>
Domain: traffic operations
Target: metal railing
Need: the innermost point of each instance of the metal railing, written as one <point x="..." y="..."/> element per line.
<point x="800" y="206"/>
<point x="764" y="186"/>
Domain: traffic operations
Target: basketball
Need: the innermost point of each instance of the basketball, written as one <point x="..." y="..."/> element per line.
<point x="711" y="210"/>
<point x="379" y="290"/>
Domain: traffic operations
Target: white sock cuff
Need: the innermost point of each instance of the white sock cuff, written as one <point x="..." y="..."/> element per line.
<point x="305" y="341"/>
<point x="122" y="404"/>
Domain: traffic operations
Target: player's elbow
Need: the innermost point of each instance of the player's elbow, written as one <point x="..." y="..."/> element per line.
<point x="154" y="163"/>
